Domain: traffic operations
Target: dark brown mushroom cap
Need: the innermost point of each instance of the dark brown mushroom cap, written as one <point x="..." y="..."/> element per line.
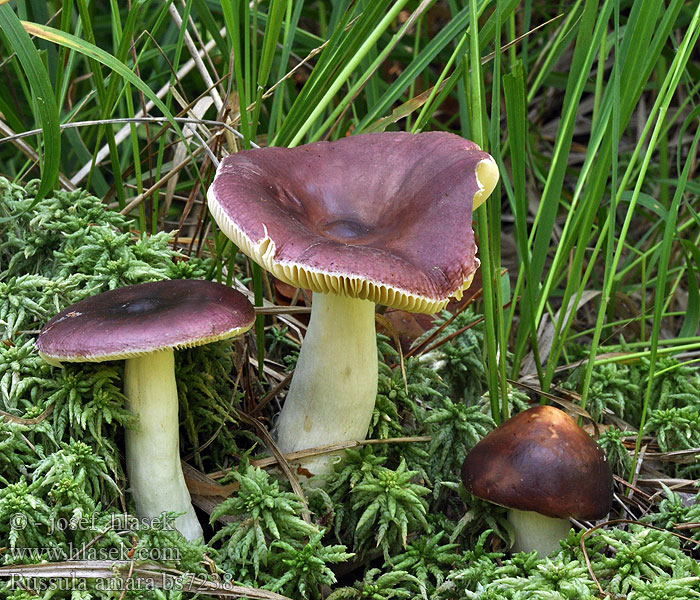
<point x="383" y="216"/>
<point x="143" y="318"/>
<point x="541" y="460"/>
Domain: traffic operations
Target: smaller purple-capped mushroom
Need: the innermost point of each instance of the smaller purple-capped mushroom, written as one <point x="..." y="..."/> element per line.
<point x="144" y="324"/>
<point x="381" y="218"/>
<point x="544" y="468"/>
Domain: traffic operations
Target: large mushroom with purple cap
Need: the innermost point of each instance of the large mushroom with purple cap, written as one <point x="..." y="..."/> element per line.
<point x="144" y="324"/>
<point x="380" y="218"/>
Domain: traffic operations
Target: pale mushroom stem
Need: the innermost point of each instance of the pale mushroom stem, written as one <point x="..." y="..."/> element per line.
<point x="152" y="446"/>
<point x="334" y="386"/>
<point x="534" y="531"/>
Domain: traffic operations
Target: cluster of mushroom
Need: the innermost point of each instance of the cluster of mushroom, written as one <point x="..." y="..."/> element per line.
<point x="545" y="469"/>
<point x="377" y="218"/>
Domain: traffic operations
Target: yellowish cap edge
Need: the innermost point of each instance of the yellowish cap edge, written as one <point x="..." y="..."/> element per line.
<point x="57" y="360"/>
<point x="487" y="178"/>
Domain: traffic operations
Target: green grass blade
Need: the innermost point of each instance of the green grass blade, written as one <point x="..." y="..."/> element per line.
<point x="91" y="51"/>
<point x="661" y="286"/>
<point x="691" y="319"/>
<point x="584" y="54"/>
<point x="474" y="84"/>
<point x="272" y="32"/>
<point x="516" y="117"/>
<point x="346" y="71"/>
<point x="593" y="178"/>
<point x="446" y="35"/>
<point x="17" y="38"/>
<point x="363" y="79"/>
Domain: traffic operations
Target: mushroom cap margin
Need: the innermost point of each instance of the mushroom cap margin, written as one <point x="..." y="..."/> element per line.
<point x="139" y="319"/>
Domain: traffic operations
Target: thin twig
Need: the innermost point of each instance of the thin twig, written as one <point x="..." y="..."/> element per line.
<point x="270" y="395"/>
<point x="299" y="454"/>
<point x="116" y="121"/>
<point x="280" y="459"/>
<point x="282" y="310"/>
<point x="158" y="184"/>
<point x="23" y="421"/>
<point x="27" y="150"/>
<point x="197" y="57"/>
<point x="418" y="348"/>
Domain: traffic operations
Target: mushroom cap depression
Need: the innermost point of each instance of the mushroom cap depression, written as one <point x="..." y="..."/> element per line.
<point x="541" y="460"/>
<point x="143" y="318"/>
<point x="385" y="217"/>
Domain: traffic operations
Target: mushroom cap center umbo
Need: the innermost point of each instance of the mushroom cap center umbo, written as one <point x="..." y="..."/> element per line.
<point x="348" y="231"/>
<point x="380" y="217"/>
<point x="140" y="306"/>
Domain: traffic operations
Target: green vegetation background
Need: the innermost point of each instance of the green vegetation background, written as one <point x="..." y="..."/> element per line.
<point x="597" y="227"/>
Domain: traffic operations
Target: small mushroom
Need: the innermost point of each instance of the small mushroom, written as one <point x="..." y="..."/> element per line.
<point x="143" y="324"/>
<point x="545" y="469"/>
<point x="382" y="218"/>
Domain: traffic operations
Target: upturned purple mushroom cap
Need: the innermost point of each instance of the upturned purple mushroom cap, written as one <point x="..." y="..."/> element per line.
<point x="385" y="217"/>
<point x="139" y="319"/>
